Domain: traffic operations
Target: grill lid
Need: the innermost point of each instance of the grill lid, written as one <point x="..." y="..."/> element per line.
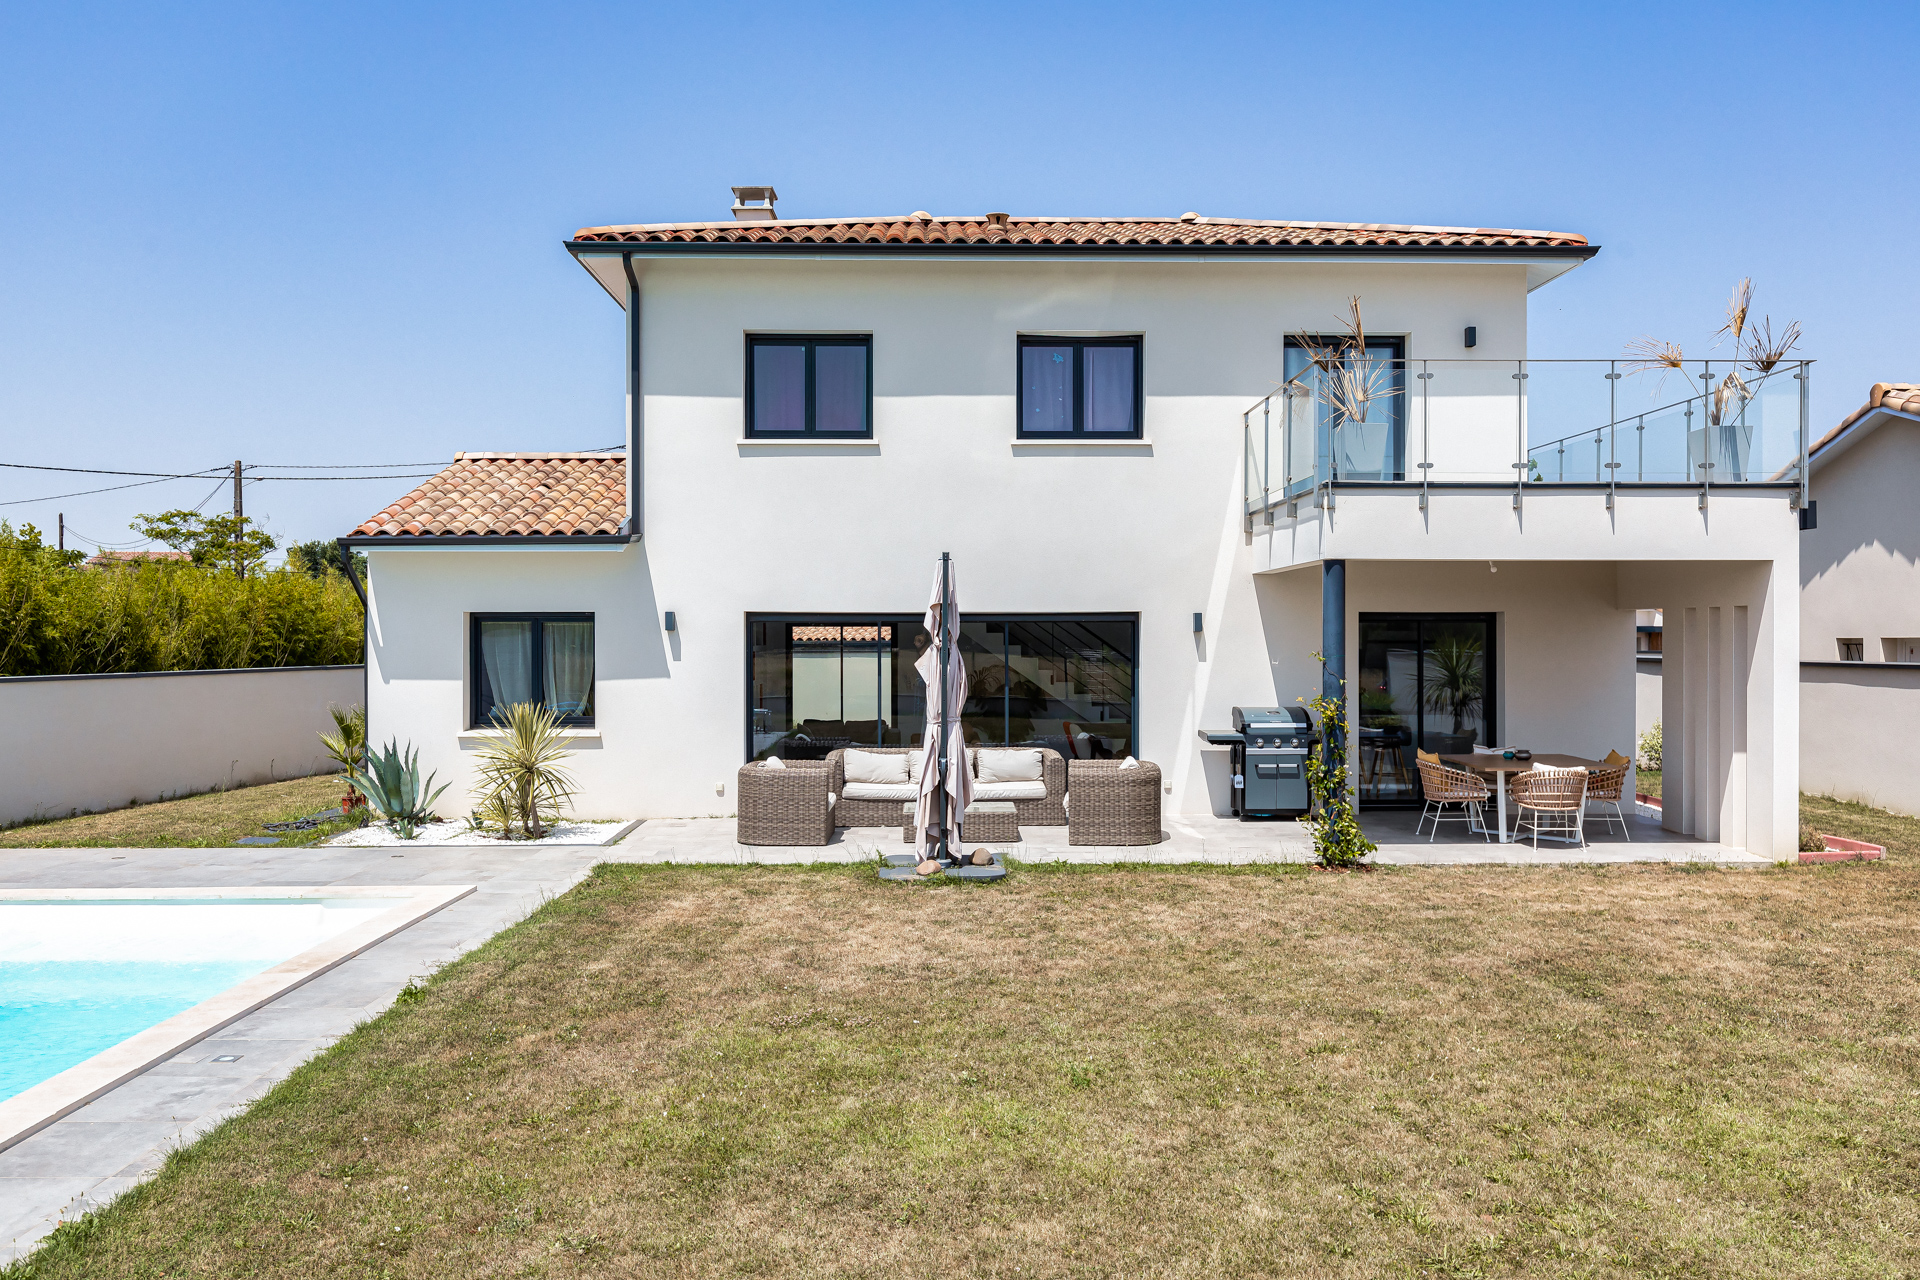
<point x="1282" y="720"/>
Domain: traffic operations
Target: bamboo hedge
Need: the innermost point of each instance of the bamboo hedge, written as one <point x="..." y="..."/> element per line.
<point x="60" y="618"/>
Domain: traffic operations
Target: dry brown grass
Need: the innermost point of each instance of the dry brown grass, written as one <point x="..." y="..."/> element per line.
<point x="792" y="1072"/>
<point x="214" y="819"/>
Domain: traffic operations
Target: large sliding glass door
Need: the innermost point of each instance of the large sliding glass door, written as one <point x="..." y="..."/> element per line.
<point x="1425" y="683"/>
<point x="816" y="683"/>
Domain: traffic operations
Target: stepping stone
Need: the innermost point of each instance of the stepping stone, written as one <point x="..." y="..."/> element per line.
<point x="258" y="840"/>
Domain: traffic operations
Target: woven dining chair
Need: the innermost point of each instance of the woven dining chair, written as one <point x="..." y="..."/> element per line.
<point x="1605" y="787"/>
<point x="1552" y="802"/>
<point x="1443" y="786"/>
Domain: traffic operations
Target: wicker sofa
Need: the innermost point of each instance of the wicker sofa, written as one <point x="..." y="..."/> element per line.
<point x="1111" y="805"/>
<point x="1050" y="812"/>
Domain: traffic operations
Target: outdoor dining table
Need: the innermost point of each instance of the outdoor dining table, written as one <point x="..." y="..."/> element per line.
<point x="1500" y="767"/>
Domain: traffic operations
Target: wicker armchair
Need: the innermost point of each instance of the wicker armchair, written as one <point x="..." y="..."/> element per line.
<point x="1552" y="802"/>
<point x="1110" y="805"/>
<point x="784" y="806"/>
<point x="1050" y="812"/>
<point x="1605" y="786"/>
<point x="1441" y="786"/>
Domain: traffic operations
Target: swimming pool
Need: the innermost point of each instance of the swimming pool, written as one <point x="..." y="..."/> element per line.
<point x="77" y="977"/>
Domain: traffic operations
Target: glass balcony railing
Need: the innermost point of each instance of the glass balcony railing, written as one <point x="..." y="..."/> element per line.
<point x="1527" y="422"/>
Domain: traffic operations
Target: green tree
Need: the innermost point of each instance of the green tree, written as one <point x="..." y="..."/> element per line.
<point x="321" y="557"/>
<point x="222" y="539"/>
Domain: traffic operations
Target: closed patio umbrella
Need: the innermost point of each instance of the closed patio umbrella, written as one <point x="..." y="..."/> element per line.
<point x="946" y="784"/>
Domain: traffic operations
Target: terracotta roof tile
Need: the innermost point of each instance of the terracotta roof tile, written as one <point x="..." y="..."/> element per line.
<point x="512" y="494"/>
<point x="998" y="230"/>
<point x="1901" y="397"/>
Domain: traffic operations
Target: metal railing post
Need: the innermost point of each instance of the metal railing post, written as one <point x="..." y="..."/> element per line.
<point x="1520" y="429"/>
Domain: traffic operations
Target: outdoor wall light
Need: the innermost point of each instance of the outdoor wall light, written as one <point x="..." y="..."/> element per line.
<point x="671" y="625"/>
<point x="1473" y="335"/>
<point x="1197" y="628"/>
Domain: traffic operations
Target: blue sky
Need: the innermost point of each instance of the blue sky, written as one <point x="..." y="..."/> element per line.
<point x="332" y="233"/>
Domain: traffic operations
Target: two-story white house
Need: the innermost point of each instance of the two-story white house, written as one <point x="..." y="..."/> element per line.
<point x="1168" y="477"/>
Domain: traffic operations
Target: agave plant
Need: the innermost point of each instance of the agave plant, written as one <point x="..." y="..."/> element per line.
<point x="521" y="784"/>
<point x="349" y="744"/>
<point x="391" y="783"/>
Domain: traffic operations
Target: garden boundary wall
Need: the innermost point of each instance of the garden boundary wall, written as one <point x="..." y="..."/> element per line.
<point x="1856" y="732"/>
<point x="80" y="744"/>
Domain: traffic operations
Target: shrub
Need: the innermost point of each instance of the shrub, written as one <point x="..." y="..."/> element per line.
<point x="348" y="744"/>
<point x="521" y="783"/>
<point x="58" y="619"/>
<point x="1811" y="841"/>
<point x="1650" y="747"/>
<point x="392" y="785"/>
<point x="1337" y="837"/>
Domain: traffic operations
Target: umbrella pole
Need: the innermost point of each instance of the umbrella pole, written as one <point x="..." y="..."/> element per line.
<point x="946" y="612"/>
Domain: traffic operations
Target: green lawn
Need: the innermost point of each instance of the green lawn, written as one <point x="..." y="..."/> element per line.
<point x="1493" y="1071"/>
<point x="214" y="819"/>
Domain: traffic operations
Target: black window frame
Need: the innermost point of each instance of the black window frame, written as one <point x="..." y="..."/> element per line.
<point x="1137" y="342"/>
<point x="811" y="342"/>
<point x="474" y="718"/>
<point x="909" y="620"/>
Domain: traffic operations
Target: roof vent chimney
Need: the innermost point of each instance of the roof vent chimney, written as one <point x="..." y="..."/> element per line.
<point x="996" y="219"/>
<point x="754" y="204"/>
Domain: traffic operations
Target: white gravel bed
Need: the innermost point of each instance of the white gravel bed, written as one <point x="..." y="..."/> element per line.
<point x="376" y="835"/>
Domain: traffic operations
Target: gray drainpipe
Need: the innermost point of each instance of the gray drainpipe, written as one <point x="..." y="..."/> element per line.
<point x="636" y="478"/>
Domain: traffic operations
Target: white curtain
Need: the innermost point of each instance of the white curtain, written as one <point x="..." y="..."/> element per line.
<point x="506" y="653"/>
<point x="1109" y="379"/>
<point x="569" y="667"/>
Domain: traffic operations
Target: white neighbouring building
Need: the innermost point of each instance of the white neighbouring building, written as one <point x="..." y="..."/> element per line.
<point x="1160" y="498"/>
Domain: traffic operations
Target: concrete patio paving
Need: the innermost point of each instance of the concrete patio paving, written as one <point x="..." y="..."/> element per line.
<point x="1190" y="838"/>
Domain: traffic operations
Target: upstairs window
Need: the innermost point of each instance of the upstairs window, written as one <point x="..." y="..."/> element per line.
<point x="545" y="658"/>
<point x="1900" y="648"/>
<point x="798" y="386"/>
<point x="1852" y="650"/>
<point x="1080" y="386"/>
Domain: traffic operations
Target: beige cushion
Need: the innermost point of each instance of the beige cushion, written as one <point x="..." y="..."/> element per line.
<point x="1614" y="760"/>
<point x="1031" y="790"/>
<point x="1129" y="763"/>
<point x="1431" y="757"/>
<point x="1554" y="768"/>
<point x="881" y="791"/>
<point x="1021" y="765"/>
<point x="873" y="766"/>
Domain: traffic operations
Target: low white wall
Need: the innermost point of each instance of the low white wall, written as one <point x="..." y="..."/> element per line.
<point x="1856" y="737"/>
<point x="91" y="743"/>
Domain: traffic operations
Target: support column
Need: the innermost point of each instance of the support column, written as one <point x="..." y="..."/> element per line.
<point x="1333" y="644"/>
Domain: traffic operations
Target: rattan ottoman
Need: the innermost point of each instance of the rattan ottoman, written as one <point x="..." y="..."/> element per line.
<point x="784" y="806"/>
<point x="1110" y="805"/>
<point x="988" y="821"/>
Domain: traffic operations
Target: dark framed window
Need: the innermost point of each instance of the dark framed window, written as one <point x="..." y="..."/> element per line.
<point x="800" y="385"/>
<point x="1080" y="386"/>
<point x="1373" y="447"/>
<point x="1426" y="683"/>
<point x="820" y="681"/>
<point x="533" y="657"/>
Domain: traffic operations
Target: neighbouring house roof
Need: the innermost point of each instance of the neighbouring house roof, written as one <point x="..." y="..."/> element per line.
<point x="1000" y="231"/>
<point x="1896" y="397"/>
<point x="557" y="495"/>
<point x="103" y="558"/>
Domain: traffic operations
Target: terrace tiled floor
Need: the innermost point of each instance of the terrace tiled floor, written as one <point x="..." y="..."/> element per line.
<point x="1189" y="838"/>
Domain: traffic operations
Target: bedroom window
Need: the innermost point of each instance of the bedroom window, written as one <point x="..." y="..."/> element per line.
<point x="533" y="657"/>
<point x="799" y="385"/>
<point x="1080" y="386"/>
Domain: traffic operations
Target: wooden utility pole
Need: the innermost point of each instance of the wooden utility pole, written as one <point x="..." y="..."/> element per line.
<point x="240" y="525"/>
<point x="63" y="531"/>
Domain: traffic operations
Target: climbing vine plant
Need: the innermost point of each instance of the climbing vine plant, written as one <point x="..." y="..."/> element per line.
<point x="1337" y="838"/>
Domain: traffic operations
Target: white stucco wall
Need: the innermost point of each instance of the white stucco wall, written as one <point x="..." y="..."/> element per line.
<point x="92" y="743"/>
<point x="1854" y="739"/>
<point x="1860" y="569"/>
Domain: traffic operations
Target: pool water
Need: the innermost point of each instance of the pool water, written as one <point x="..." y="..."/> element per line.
<point x="77" y="978"/>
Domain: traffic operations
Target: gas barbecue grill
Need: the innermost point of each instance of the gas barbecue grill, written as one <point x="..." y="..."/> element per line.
<point x="1270" y="747"/>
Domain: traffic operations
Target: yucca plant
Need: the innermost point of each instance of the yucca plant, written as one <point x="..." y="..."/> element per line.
<point x="521" y="784"/>
<point x="391" y="783"/>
